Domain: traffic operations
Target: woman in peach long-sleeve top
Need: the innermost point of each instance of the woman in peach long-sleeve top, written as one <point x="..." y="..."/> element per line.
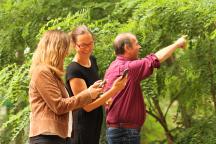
<point x="49" y="103"/>
<point x="51" y="117"/>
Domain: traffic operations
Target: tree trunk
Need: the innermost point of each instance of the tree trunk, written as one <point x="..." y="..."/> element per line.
<point x="20" y="57"/>
<point x="186" y="118"/>
<point x="162" y="121"/>
<point x="213" y="87"/>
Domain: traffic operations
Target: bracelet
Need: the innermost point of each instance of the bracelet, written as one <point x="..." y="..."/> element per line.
<point x="99" y="95"/>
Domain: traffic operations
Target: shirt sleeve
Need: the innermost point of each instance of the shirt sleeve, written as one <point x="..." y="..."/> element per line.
<point x="48" y="88"/>
<point x="73" y="72"/>
<point x="144" y="67"/>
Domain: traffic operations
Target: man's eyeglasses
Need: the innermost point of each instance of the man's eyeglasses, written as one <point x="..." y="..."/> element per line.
<point x="85" y="45"/>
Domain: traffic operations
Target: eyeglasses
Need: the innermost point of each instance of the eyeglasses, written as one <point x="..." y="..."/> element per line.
<point x="84" y="45"/>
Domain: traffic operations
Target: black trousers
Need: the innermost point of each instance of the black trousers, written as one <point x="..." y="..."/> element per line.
<point x="48" y="139"/>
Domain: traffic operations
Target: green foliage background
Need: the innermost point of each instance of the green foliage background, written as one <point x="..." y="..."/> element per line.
<point x="180" y="96"/>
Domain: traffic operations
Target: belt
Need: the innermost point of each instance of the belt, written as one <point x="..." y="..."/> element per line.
<point x="124" y="125"/>
<point x="47" y="139"/>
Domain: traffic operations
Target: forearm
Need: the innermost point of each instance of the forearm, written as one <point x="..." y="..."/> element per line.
<point x="166" y="52"/>
<point x="82" y="99"/>
<point x="64" y="105"/>
<point x="101" y="100"/>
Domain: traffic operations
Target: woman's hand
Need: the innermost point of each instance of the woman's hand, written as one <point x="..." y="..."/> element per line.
<point x="119" y="83"/>
<point x="95" y="90"/>
<point x="109" y="102"/>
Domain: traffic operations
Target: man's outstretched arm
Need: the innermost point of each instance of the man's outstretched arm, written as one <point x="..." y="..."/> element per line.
<point x="166" y="52"/>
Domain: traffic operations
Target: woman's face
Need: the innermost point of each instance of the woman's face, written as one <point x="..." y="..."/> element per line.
<point x="84" y="44"/>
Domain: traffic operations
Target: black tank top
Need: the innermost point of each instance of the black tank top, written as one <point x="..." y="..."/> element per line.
<point x="86" y="125"/>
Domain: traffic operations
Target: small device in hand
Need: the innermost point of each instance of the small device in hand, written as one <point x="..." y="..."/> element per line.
<point x="125" y="72"/>
<point x="102" y="84"/>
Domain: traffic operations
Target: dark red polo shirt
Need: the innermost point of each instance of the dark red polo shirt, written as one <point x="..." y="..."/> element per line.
<point x="128" y="105"/>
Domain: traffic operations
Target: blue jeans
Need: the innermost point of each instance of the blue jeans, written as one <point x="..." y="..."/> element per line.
<point x="123" y="136"/>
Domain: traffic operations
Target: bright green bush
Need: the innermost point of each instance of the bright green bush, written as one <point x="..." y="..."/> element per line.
<point x="202" y="132"/>
<point x="14" y="82"/>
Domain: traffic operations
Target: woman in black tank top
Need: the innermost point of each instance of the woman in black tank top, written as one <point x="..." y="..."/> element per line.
<point x="81" y="73"/>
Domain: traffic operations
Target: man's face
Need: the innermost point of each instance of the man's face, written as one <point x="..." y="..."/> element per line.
<point x="134" y="49"/>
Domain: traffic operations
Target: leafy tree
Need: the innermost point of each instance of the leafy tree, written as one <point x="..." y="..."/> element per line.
<point x="21" y="20"/>
<point x="203" y="132"/>
<point x="179" y="95"/>
<point x="13" y="92"/>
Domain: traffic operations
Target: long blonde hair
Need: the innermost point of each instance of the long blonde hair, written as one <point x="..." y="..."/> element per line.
<point x="51" y="51"/>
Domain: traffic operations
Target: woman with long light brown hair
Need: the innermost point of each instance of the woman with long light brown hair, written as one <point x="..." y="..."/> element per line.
<point x="50" y="117"/>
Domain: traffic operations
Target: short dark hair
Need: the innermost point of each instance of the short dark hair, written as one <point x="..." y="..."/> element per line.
<point x="120" y="41"/>
<point x="119" y="46"/>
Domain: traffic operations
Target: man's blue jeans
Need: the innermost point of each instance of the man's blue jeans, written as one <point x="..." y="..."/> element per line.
<point x="123" y="136"/>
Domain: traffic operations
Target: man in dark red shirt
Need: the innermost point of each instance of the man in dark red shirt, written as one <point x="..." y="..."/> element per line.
<point x="127" y="113"/>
